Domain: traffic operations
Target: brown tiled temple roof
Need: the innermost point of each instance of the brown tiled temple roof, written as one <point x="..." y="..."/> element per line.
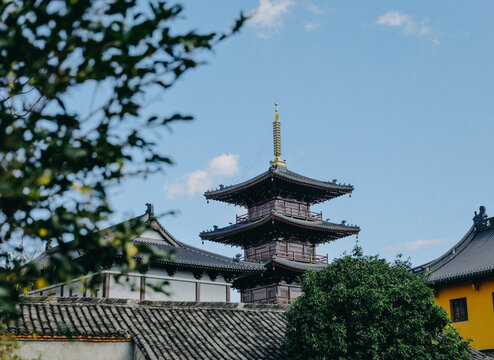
<point x="308" y="189"/>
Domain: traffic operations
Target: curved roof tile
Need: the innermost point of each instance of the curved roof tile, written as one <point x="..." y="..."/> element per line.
<point x="314" y="225"/>
<point x="295" y="265"/>
<point x="283" y="173"/>
<point x="472" y="256"/>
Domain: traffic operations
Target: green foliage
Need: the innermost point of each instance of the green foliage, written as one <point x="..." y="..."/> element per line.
<point x="8" y="347"/>
<point x="362" y="307"/>
<point x="56" y="163"/>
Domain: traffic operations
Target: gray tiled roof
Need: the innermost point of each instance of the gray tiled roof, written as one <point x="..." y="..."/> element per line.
<point x="477" y="355"/>
<point x="183" y="254"/>
<point x="283" y="173"/>
<point x="296" y="265"/>
<point x="162" y="330"/>
<point x="190" y="256"/>
<point x="165" y="330"/>
<point x="472" y="256"/>
<point x="274" y="215"/>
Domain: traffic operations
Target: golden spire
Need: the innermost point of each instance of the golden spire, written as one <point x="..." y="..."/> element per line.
<point x="277" y="138"/>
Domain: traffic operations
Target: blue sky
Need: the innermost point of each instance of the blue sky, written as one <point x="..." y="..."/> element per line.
<point x="394" y="97"/>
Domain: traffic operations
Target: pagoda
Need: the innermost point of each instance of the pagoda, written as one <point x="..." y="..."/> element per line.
<point x="279" y="229"/>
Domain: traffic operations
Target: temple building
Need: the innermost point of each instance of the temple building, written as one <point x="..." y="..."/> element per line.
<point x="463" y="281"/>
<point x="189" y="274"/>
<point x="279" y="230"/>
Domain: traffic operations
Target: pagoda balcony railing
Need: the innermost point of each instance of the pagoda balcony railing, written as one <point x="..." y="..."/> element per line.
<point x="296" y="214"/>
<point x="280" y="300"/>
<point x="289" y="255"/>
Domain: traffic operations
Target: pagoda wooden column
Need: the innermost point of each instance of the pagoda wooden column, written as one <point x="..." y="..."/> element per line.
<point x="198" y="291"/>
<point x="106" y="285"/>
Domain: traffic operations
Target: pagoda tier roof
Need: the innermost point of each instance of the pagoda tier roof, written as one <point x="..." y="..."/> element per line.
<point x="296" y="266"/>
<point x="276" y="269"/>
<point x="278" y="180"/>
<point x="472" y="257"/>
<point x="277" y="224"/>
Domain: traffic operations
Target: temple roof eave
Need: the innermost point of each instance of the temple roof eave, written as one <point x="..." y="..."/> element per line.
<point x="468" y="259"/>
<point x="182" y="256"/>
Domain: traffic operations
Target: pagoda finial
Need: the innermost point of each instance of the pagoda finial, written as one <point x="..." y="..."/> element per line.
<point x="277" y="138"/>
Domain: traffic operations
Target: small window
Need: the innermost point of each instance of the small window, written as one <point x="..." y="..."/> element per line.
<point x="459" y="309"/>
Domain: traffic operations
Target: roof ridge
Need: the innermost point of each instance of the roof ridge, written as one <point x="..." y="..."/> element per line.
<point x="241" y="183"/>
<point x="209" y="253"/>
<point x="453" y="252"/>
<point x="173" y="238"/>
<point x="226" y="259"/>
<point x="91" y="301"/>
<point x="318" y="222"/>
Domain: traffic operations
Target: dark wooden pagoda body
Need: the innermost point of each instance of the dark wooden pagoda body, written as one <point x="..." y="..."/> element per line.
<point x="279" y="230"/>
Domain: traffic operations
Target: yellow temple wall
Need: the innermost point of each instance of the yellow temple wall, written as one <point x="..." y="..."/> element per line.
<point x="480" y="307"/>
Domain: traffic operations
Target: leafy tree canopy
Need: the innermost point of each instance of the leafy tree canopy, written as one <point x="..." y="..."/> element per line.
<point x="56" y="163"/>
<point x="363" y="307"/>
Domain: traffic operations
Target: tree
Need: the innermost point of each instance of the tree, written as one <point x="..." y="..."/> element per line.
<point x="57" y="163"/>
<point x="363" y="307"/>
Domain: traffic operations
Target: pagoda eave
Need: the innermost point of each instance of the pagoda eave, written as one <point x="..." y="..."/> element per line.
<point x="277" y="269"/>
<point x="278" y="181"/>
<point x="276" y="224"/>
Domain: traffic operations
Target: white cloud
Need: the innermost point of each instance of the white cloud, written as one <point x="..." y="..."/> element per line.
<point x="314" y="9"/>
<point x="407" y="23"/>
<point x="224" y="165"/>
<point x="311" y="26"/>
<point x="201" y="180"/>
<point x="269" y="16"/>
<point x="416" y="245"/>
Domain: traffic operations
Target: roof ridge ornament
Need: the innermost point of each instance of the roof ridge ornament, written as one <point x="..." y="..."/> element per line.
<point x="149" y="209"/>
<point x="480" y="219"/>
<point x="277" y="139"/>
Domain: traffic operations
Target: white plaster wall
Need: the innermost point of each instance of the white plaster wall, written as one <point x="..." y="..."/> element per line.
<point x="75" y="289"/>
<point x="213" y="292"/>
<point x="156" y="271"/>
<point x="75" y="350"/>
<point x="65" y="290"/>
<point x="151" y="234"/>
<point x="181" y="287"/>
<point x="125" y="289"/>
<point x="177" y="290"/>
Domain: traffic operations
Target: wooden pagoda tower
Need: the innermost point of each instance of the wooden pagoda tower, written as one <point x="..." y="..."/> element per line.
<point x="279" y="228"/>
